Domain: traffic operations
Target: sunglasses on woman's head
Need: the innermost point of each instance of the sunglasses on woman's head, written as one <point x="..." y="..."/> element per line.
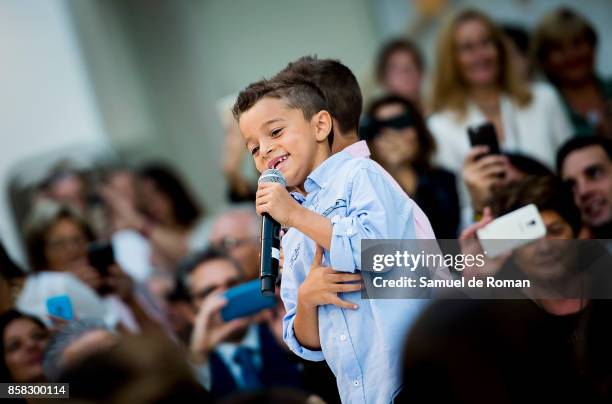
<point x="371" y="127"/>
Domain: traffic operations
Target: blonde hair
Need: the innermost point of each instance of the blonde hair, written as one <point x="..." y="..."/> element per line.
<point x="449" y="90"/>
<point x="556" y="27"/>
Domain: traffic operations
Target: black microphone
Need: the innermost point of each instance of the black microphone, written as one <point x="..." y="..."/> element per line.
<point x="270" y="240"/>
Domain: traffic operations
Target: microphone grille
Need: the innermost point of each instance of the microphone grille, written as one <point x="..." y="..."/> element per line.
<point x="273" y="175"/>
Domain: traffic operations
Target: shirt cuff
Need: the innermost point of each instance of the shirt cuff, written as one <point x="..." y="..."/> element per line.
<point x="295" y="347"/>
<point x="341" y="250"/>
<point x="203" y="374"/>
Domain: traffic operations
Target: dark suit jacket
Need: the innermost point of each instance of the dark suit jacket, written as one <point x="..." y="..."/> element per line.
<point x="276" y="370"/>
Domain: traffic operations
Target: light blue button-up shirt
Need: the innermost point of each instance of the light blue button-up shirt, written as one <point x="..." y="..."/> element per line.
<point x="363" y="347"/>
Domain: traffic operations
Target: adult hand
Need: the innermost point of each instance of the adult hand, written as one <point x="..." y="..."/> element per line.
<point x="482" y="173"/>
<point x="323" y="284"/>
<point x="210" y="330"/>
<point x="468" y="240"/>
<point x="119" y="283"/>
<point x="126" y="214"/>
<point x="234" y="149"/>
<point x="86" y="274"/>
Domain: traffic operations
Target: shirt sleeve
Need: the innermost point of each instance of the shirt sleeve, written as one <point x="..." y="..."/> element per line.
<point x="375" y="211"/>
<point x="290" y="281"/>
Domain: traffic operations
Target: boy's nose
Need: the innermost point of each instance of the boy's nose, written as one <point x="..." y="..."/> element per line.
<point x="267" y="149"/>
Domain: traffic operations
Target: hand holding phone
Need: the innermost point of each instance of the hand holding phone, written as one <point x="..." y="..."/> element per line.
<point x="246" y="299"/>
<point x="481" y="172"/>
<point x="484" y="135"/>
<point x="511" y="231"/>
<point x="468" y="240"/>
<point x="221" y="316"/>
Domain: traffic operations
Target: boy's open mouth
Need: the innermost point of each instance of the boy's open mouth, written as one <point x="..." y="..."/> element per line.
<point x="277" y="161"/>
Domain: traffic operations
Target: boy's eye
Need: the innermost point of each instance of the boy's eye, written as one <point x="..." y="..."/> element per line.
<point x="276" y="132"/>
<point x="254" y="150"/>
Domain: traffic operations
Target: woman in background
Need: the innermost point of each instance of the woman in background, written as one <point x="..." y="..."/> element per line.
<point x="23" y="340"/>
<point x="57" y="238"/>
<point x="475" y="82"/>
<point x="58" y="242"/>
<point x="565" y="45"/>
<point x="400" y="69"/>
<point x="402" y="144"/>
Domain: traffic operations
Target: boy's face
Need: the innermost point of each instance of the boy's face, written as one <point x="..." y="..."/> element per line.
<point x="278" y="136"/>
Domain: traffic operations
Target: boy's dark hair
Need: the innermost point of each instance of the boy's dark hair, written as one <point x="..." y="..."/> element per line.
<point x="297" y="92"/>
<point x="338" y="84"/>
<point x="427" y="143"/>
<point x="580" y="143"/>
<point x="185" y="209"/>
<point x="547" y="193"/>
<point x="393" y="46"/>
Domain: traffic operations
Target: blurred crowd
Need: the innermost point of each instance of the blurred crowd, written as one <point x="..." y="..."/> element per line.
<point x="144" y="266"/>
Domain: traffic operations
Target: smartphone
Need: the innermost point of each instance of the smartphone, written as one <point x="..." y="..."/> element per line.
<point x="246" y="299"/>
<point x="512" y="230"/>
<point x="484" y="135"/>
<point x="60" y="307"/>
<point x="101" y="255"/>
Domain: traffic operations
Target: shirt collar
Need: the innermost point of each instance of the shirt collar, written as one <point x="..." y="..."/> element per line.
<point x="358" y="149"/>
<point x="250" y="340"/>
<point x="319" y="177"/>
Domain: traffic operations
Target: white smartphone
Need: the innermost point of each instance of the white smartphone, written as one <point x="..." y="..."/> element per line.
<point x="512" y="230"/>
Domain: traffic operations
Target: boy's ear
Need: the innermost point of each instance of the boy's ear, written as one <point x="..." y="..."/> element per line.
<point x="323" y="123"/>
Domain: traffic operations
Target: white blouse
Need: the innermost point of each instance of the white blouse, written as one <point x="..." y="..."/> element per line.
<point x="537" y="130"/>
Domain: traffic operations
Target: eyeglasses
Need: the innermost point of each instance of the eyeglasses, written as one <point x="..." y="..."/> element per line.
<point x="204" y="293"/>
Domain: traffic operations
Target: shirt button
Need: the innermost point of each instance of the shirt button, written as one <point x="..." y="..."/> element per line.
<point x="343" y="337"/>
<point x="349" y="231"/>
<point x="356" y="383"/>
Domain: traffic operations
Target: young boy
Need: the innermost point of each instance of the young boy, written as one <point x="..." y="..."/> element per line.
<point x="344" y="101"/>
<point x="286" y="125"/>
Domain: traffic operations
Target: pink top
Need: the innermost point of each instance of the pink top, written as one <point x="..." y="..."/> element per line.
<point x="422" y="226"/>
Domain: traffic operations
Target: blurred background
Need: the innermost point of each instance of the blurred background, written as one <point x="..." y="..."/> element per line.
<point x="127" y="193"/>
<point x="141" y="80"/>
